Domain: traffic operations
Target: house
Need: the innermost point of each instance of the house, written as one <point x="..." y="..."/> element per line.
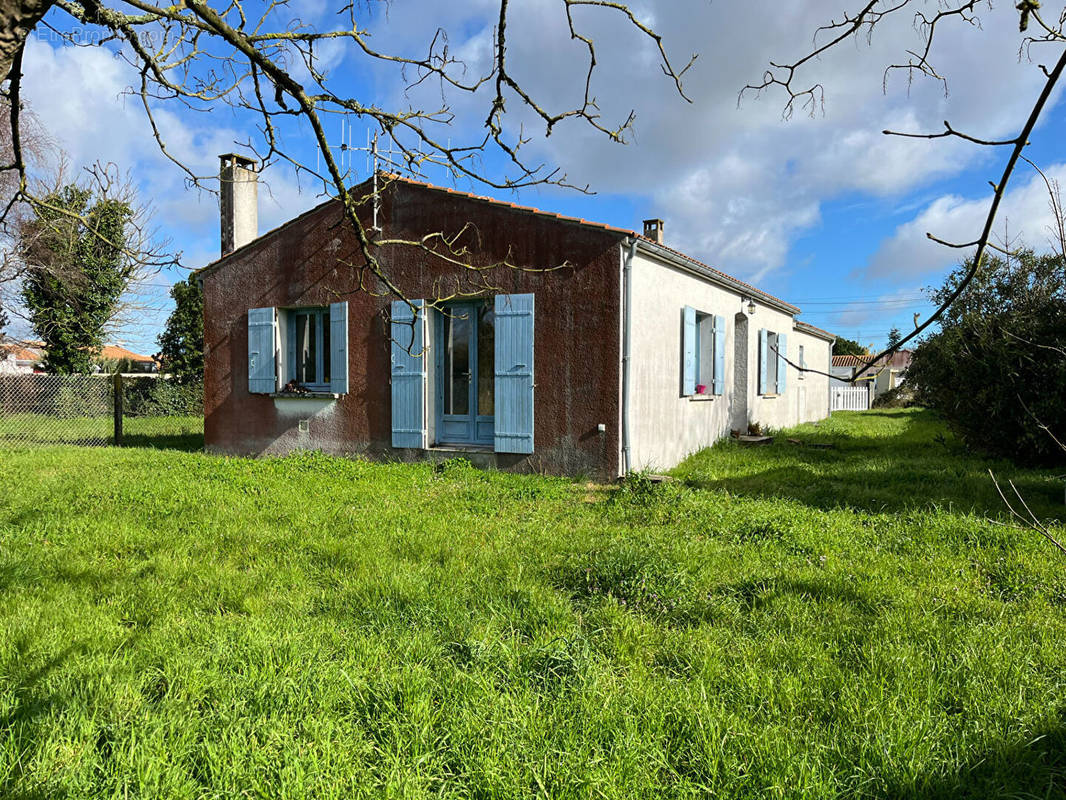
<point x="19" y="358"/>
<point x="531" y="340"/>
<point x="113" y="355"/>
<point x="883" y="375"/>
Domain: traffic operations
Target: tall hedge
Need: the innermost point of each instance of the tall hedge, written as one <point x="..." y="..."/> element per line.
<point x="996" y="369"/>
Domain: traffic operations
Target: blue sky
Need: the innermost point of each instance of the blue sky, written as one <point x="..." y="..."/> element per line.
<point x="820" y="210"/>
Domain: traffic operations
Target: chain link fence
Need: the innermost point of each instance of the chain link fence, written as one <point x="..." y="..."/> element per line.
<point x="99" y="410"/>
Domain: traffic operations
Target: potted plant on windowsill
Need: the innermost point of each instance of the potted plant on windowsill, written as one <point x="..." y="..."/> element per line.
<point x="701" y="388"/>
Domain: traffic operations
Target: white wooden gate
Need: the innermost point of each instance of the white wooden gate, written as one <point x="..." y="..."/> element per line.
<point x="849" y="398"/>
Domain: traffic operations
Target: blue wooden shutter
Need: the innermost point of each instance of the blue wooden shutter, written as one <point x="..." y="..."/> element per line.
<point x="719" y="354"/>
<point x="261" y="322"/>
<point x="514" y="373"/>
<point x="763" y="355"/>
<point x="408" y="375"/>
<point x="782" y="364"/>
<point x="688" y="351"/>
<point x="338" y="345"/>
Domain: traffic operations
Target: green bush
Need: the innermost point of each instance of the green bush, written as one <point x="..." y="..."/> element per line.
<point x="162" y="397"/>
<point x="996" y="368"/>
<point x="899" y="397"/>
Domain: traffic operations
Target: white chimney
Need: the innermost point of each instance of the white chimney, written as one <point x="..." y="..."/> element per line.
<point x="238" y="201"/>
<point x="653" y="229"/>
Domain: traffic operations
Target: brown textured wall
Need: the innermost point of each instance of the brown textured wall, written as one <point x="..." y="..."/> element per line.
<point x="306" y="263"/>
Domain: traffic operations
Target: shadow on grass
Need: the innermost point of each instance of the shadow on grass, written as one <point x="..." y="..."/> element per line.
<point x="1034" y="767"/>
<point x="31" y="710"/>
<point x="187" y="442"/>
<point x="919" y="467"/>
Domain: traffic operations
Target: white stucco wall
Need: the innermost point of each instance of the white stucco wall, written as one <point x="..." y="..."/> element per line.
<point x="665" y="426"/>
<point x="813" y="395"/>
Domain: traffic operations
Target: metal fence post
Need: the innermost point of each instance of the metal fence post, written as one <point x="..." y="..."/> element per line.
<point x="119" y="400"/>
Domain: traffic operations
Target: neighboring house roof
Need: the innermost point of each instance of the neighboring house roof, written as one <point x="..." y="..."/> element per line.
<point x="20" y="351"/>
<point x="849" y="361"/>
<point x="113" y="352"/>
<point x="644" y="242"/>
<point x="901" y="359"/>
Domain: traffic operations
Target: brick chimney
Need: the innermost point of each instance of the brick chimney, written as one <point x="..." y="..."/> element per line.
<point x="653" y="229"/>
<point x="238" y="201"/>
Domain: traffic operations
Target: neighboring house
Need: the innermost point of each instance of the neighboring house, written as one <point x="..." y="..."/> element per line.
<point x="572" y="347"/>
<point x="19" y="358"/>
<point x="885" y="374"/>
<point x="113" y="355"/>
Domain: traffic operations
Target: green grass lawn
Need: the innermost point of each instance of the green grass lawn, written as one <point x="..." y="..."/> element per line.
<point x="35" y="430"/>
<point x="778" y="622"/>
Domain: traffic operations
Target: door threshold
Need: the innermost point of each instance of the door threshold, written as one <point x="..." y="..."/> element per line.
<point x="461" y="448"/>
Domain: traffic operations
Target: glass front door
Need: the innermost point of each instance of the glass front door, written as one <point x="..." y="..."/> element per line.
<point x="465" y="373"/>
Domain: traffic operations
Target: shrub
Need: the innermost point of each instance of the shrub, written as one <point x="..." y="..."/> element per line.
<point x="162" y="397"/>
<point x="996" y="368"/>
<point x="899" y="397"/>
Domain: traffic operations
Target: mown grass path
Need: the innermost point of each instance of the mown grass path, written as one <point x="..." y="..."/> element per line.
<point x="778" y="622"/>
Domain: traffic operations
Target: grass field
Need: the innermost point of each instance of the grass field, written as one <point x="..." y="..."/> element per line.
<point x="34" y="430"/>
<point x="779" y="622"/>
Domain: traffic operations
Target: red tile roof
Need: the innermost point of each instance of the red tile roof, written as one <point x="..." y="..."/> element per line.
<point x="901" y="359"/>
<point x="19" y="352"/>
<point x="113" y="352"/>
<point x="849" y="361"/>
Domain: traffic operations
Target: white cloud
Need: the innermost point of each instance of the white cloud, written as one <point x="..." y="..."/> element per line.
<point x="80" y="95"/>
<point x="1024" y="215"/>
<point x="736" y="186"/>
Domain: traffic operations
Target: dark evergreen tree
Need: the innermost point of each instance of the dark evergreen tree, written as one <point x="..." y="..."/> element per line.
<point x="849" y="347"/>
<point x="181" y="344"/>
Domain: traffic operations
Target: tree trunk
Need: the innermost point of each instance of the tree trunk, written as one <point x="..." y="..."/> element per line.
<point x="17" y="19"/>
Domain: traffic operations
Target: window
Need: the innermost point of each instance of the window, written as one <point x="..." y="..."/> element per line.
<point x="309" y="362"/>
<point x="802" y="362"/>
<point x="703" y="353"/>
<point x="772" y="362"/>
<point x="483" y="373"/>
<point x="773" y="368"/>
<point x="304" y="347"/>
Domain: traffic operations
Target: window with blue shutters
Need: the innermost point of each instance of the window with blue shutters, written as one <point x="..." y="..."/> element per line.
<point x="703" y="353"/>
<point x="298" y="349"/>
<point x="773" y="364"/>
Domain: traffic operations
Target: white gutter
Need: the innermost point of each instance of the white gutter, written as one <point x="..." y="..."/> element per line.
<point x="627" y="326"/>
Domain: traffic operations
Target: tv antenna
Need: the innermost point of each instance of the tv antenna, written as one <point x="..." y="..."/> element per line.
<point x="376" y="159"/>
<point x="344" y="152"/>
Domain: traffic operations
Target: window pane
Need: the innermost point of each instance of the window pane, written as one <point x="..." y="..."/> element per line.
<point x="326" y="352"/>
<point x="771" y="363"/>
<point x="457" y="361"/>
<point x="705" y="350"/>
<point x="486" y="360"/>
<point x="305" y="348"/>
